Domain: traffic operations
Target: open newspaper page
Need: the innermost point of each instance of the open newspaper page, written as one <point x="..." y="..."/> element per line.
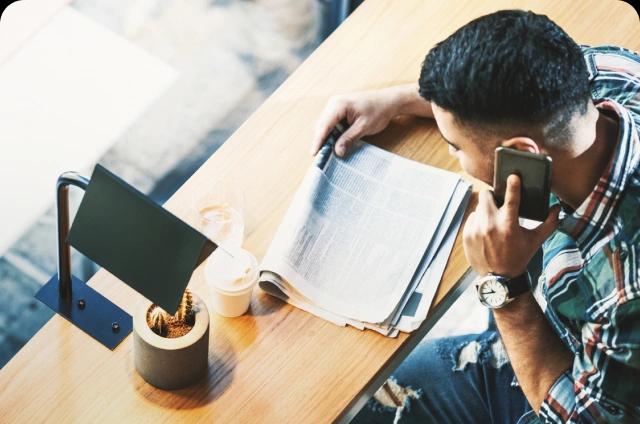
<point x="356" y="232"/>
<point x="455" y="205"/>
<point x="414" y="307"/>
<point x="416" y="310"/>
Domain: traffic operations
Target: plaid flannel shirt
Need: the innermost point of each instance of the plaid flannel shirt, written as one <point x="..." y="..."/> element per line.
<point x="589" y="289"/>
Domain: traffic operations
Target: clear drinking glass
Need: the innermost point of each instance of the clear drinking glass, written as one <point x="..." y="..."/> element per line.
<point x="221" y="213"/>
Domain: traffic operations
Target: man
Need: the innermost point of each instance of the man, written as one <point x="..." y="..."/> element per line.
<point x="516" y="79"/>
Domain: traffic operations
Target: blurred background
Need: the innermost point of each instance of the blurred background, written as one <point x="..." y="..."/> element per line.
<point x="148" y="88"/>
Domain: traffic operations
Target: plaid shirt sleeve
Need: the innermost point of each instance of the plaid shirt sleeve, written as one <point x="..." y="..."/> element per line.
<point x="603" y="384"/>
<point x="601" y="388"/>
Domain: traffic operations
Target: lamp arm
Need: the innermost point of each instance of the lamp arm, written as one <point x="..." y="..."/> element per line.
<point x="64" y="251"/>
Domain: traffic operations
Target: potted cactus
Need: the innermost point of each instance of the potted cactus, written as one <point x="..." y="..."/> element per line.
<point x="171" y="351"/>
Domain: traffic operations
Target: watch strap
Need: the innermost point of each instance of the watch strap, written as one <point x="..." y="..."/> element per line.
<point x="518" y="285"/>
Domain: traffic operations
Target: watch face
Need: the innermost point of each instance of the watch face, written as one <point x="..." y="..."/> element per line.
<point x="492" y="293"/>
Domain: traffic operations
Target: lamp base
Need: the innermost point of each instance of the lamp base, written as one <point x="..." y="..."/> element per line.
<point x="88" y="310"/>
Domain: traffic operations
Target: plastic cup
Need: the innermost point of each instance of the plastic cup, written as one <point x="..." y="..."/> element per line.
<point x="221" y="212"/>
<point x="231" y="281"/>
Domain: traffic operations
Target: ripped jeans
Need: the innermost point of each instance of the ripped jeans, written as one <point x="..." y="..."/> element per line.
<point x="464" y="379"/>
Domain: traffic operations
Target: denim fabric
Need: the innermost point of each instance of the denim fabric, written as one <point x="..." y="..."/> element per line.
<point x="465" y="379"/>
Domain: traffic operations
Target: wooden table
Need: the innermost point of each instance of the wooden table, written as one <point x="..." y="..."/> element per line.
<point x="279" y="364"/>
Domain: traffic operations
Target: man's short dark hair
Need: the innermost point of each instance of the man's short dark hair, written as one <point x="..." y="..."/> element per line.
<point x="513" y="68"/>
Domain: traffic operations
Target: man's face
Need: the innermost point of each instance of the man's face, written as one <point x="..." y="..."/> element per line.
<point x="476" y="158"/>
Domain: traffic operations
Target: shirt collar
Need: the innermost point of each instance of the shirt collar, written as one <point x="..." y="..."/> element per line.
<point x="588" y="222"/>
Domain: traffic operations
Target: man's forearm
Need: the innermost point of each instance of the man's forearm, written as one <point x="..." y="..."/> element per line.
<point x="407" y="101"/>
<point x="537" y="355"/>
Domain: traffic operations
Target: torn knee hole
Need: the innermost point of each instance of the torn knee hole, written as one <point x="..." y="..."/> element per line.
<point x="489" y="352"/>
<point x="391" y="394"/>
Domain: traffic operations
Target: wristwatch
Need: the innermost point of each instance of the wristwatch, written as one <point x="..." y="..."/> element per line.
<point x="495" y="291"/>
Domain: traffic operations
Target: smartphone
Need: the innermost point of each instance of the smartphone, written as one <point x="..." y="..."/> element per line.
<point x="535" y="178"/>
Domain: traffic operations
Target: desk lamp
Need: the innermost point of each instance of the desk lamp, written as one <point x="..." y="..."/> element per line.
<point x="133" y="238"/>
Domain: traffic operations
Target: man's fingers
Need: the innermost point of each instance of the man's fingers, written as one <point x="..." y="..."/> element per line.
<point x="469" y="229"/>
<point x="348" y="138"/>
<point x="544" y="230"/>
<point x="326" y="122"/>
<point x="512" y="197"/>
<point x="486" y="202"/>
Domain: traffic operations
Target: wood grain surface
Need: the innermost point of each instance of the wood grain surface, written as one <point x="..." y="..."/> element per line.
<point x="278" y="364"/>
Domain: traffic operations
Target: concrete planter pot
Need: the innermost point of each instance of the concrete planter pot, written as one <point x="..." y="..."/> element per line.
<point x="171" y="363"/>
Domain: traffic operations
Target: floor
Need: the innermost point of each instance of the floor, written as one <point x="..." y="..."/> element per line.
<point x="465" y="316"/>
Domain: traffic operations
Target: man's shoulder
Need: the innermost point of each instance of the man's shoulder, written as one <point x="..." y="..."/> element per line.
<point x="610" y="59"/>
<point x="606" y="54"/>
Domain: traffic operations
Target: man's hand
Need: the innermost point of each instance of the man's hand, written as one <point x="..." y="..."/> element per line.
<point x="367" y="113"/>
<point x="493" y="239"/>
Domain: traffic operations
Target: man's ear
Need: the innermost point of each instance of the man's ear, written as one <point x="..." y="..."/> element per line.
<point x="522" y="143"/>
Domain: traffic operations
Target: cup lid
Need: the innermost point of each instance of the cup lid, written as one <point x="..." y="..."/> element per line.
<point x="231" y="274"/>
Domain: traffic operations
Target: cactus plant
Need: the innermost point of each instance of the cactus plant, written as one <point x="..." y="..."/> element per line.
<point x="185" y="310"/>
<point x="159" y="320"/>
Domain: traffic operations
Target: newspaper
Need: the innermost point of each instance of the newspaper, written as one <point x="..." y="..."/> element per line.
<point x="364" y="241"/>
